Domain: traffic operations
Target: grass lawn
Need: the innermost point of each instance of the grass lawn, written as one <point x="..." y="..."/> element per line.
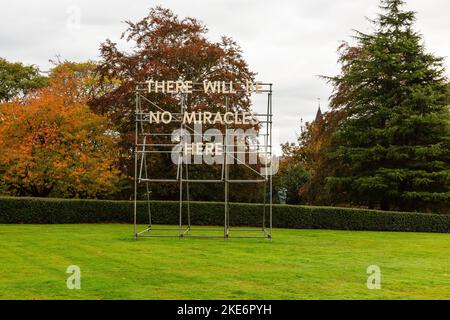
<point x="297" y="264"/>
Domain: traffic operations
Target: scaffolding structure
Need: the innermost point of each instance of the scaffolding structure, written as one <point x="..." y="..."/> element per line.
<point x="150" y="140"/>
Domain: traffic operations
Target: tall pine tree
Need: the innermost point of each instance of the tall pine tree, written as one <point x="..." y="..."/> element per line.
<point x="393" y="149"/>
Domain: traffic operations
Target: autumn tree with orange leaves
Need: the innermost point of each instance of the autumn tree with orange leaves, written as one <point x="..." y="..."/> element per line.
<point x="54" y="145"/>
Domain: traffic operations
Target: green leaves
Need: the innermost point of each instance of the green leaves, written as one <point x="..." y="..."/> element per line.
<point x="17" y="80"/>
<point x="65" y="211"/>
<point x="394" y="144"/>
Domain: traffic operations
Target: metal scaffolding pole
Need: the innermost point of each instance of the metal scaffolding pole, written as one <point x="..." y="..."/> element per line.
<point x="271" y="161"/>
<point x="226" y="178"/>
<point x="135" y="169"/>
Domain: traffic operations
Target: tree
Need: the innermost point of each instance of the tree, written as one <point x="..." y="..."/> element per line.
<point x="393" y="149"/>
<point x="313" y="145"/>
<point x="18" y="80"/>
<point x="166" y="47"/>
<point x="54" y="145"/>
<point x="86" y="82"/>
<point x="291" y="176"/>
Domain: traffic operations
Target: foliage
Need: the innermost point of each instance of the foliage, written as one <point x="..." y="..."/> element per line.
<point x="313" y="143"/>
<point x="18" y="80"/>
<point x="166" y="47"/>
<point x="55" y="146"/>
<point x="85" y="80"/>
<point x="393" y="149"/>
<point x="290" y="177"/>
<point x="50" y="211"/>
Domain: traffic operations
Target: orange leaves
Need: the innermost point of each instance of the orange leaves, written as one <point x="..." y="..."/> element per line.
<point x="54" y="145"/>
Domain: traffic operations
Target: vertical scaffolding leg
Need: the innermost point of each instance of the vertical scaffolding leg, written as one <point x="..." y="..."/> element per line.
<point x="264" y="207"/>
<point x="180" y="170"/>
<point x="188" y="199"/>
<point x="271" y="163"/>
<point x="147" y="187"/>
<point x="266" y="153"/>
<point x="135" y="197"/>
<point x="180" y="232"/>
<point x="227" y="212"/>
<point x="135" y="172"/>
<point x="184" y="98"/>
<point x="226" y="180"/>
<point x="143" y="167"/>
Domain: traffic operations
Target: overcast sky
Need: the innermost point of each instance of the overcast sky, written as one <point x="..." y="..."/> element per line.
<point x="287" y="42"/>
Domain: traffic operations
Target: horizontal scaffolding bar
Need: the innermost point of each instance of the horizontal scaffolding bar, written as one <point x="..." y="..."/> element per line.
<point x="143" y="83"/>
<point x="203" y="91"/>
<point x="197" y="134"/>
<point x="200" y="154"/>
<point x="230" y="230"/>
<point x="204" y="142"/>
<point x="180" y="121"/>
<point x="201" y="181"/>
<point x="202" y="236"/>
<point x="248" y="181"/>
<point x="159" y="180"/>
<point x="202" y="112"/>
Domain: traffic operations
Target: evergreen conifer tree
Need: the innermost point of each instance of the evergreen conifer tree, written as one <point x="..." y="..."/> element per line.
<point x="393" y="149"/>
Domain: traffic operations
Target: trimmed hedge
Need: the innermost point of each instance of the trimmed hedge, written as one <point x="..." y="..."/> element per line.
<point x="62" y="211"/>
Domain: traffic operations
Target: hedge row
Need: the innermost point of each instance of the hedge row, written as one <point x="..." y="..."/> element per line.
<point x="61" y="211"/>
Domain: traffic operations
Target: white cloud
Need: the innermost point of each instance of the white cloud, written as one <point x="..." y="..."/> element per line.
<point x="288" y="42"/>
